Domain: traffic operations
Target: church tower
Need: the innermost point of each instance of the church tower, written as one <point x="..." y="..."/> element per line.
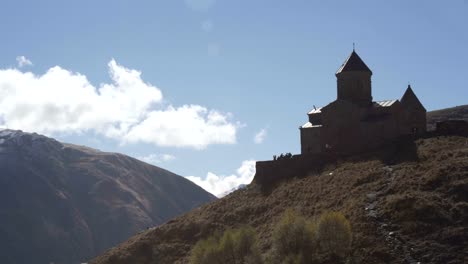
<point x="354" y="81"/>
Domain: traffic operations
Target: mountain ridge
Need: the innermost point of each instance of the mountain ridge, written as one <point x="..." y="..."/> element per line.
<point x="65" y="203"/>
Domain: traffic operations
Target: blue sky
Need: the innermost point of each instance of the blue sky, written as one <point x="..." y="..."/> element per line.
<point x="247" y="66"/>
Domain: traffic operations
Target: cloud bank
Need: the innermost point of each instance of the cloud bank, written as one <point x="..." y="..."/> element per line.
<point x="127" y="109"/>
<point x="221" y="185"/>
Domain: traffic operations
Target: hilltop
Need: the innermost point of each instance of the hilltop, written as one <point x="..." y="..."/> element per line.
<point x="62" y="203"/>
<point x="406" y="206"/>
<point x="457" y="112"/>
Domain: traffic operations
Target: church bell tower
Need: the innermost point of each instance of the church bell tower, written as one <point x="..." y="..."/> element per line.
<point x="354" y="81"/>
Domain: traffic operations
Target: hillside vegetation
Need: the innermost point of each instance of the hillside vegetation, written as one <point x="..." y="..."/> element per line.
<point x="407" y="207"/>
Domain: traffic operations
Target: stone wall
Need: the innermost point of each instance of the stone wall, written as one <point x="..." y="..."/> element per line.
<point x="272" y="171"/>
<point x="354" y="87"/>
<point x="452" y="127"/>
<point x="311" y="140"/>
<point x="349" y="128"/>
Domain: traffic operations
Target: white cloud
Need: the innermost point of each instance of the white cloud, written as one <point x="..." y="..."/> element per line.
<point x="220" y="185"/>
<point x="23" y="61"/>
<point x="189" y="125"/>
<point x="126" y="109"/>
<point x="200" y="5"/>
<point x="260" y="136"/>
<point x="207" y="25"/>
<point x="157" y="158"/>
<point x="167" y="157"/>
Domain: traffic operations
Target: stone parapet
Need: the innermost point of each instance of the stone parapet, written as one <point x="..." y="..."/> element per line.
<point x="272" y="171"/>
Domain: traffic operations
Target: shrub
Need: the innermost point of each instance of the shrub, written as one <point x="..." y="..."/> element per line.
<point x="206" y="251"/>
<point x="237" y="246"/>
<point x="293" y="239"/>
<point x="297" y="240"/>
<point x="334" y="234"/>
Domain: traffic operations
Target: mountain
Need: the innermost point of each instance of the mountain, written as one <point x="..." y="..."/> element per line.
<point x="62" y="203"/>
<point x="406" y="203"/>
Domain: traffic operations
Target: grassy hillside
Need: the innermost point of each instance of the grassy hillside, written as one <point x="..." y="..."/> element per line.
<point x="412" y="207"/>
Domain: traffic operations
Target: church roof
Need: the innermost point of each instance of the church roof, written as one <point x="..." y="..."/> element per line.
<point x="310" y="125"/>
<point x="353" y="63"/>
<point x="386" y="103"/>
<point x="409" y="98"/>
<point x="315" y="111"/>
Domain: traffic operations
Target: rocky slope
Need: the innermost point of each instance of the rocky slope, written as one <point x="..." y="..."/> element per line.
<point x="63" y="203"/>
<point x="406" y="205"/>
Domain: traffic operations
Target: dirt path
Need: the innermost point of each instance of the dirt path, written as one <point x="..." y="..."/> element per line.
<point x="385" y="228"/>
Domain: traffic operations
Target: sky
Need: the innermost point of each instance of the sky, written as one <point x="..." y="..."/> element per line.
<point x="204" y="88"/>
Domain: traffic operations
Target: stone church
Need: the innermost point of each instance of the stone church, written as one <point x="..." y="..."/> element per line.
<point x="353" y="122"/>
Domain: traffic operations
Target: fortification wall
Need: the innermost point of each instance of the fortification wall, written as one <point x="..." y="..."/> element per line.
<point x="452" y="127"/>
<point x="271" y="171"/>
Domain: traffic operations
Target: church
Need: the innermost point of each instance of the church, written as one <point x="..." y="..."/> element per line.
<point x="354" y="122"/>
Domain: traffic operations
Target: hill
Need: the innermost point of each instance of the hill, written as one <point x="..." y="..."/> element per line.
<point x="62" y="203"/>
<point x="406" y="206"/>
<point x="458" y="112"/>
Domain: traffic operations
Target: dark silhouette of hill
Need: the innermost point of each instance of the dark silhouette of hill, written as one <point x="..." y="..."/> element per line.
<point x="62" y="203"/>
<point x="407" y="207"/>
<point x="458" y="112"/>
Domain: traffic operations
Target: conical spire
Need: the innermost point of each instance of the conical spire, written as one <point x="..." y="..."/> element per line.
<point x="353" y="63"/>
<point x="410" y="99"/>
